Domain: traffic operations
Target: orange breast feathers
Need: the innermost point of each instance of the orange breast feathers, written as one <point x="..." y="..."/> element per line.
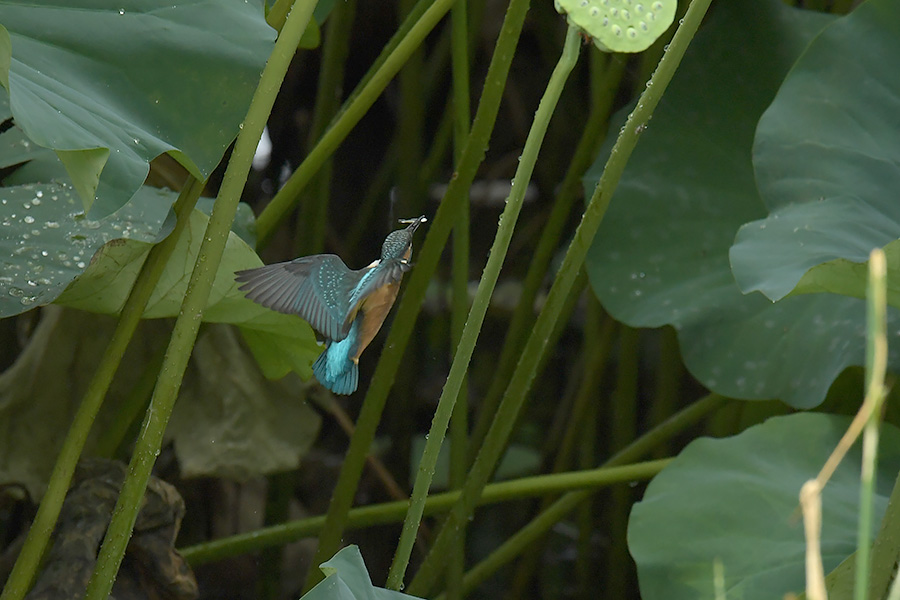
<point x="374" y="310"/>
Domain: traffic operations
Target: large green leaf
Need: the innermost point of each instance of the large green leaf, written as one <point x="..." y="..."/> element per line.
<point x="661" y="255"/>
<point x="46" y="240"/>
<point x="735" y="500"/>
<point x="282" y="343"/>
<point x="346" y="578"/>
<point x="229" y="420"/>
<point x="16" y="148"/>
<point x="110" y="86"/>
<point x="827" y="158"/>
<point x="41" y="391"/>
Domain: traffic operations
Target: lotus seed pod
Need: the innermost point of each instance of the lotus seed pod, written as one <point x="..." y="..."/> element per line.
<point x="620" y="25"/>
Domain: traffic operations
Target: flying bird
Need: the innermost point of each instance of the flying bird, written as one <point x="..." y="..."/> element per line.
<point x="345" y="306"/>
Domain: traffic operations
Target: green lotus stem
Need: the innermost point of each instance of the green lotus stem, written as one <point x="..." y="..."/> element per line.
<point x="285" y="199"/>
<point x="523" y="314"/>
<point x="393" y="512"/>
<point x="624" y="417"/>
<point x="539" y="526"/>
<point x="459" y="421"/>
<point x="420" y="276"/>
<point x="187" y="325"/>
<point x="876" y="366"/>
<point x="520" y="383"/>
<point x="28" y="561"/>
<point x="489" y="278"/>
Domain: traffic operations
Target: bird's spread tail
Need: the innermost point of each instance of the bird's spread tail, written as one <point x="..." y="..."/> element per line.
<point x="340" y="381"/>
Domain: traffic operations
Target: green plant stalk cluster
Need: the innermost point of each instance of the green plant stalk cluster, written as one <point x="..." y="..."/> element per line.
<point x="520" y="383"/>
<point x="463" y="354"/>
<point x="188" y="323"/>
<point x="581" y="418"/>
<point x="285" y="199"/>
<point x="557" y="511"/>
<point x="392" y="512"/>
<point x="410" y="303"/>
<point x="28" y="561"/>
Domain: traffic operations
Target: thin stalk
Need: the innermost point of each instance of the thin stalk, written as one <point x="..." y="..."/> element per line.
<point x="668" y="376"/>
<point x="559" y="426"/>
<point x="279" y="492"/>
<point x="413" y="86"/>
<point x="459" y="421"/>
<point x="411" y="302"/>
<point x="876" y="365"/>
<point x="312" y="218"/>
<point x="410" y="21"/>
<point x="565" y="315"/>
<point x="623" y="428"/>
<point x="585" y="573"/>
<point x="187" y="325"/>
<point x="28" y="561"/>
<point x="459" y="64"/>
<point x="539" y="526"/>
<point x="437" y="153"/>
<point x="328" y="402"/>
<point x="520" y="383"/>
<point x="410" y="125"/>
<point x="277" y="15"/>
<point x="523" y="314"/>
<point x="597" y="352"/>
<point x="376" y="189"/>
<point x="392" y="512"/>
<point x="287" y="196"/>
<point x="110" y="439"/>
<point x="480" y="304"/>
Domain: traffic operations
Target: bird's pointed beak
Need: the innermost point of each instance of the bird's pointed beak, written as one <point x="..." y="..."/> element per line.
<point x="413" y="224"/>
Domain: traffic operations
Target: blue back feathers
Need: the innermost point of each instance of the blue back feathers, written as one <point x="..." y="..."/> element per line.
<point x="334" y="367"/>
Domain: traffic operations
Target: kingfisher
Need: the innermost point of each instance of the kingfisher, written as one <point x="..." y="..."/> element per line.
<point x="345" y="306"/>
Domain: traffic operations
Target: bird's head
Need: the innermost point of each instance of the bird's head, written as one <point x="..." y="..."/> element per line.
<point x="398" y="244"/>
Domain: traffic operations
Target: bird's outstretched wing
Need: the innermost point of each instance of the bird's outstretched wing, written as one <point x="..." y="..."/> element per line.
<point x="389" y="271"/>
<point x="318" y="288"/>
